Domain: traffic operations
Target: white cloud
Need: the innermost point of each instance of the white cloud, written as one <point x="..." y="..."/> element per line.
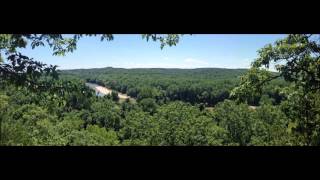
<point x="187" y="63"/>
<point x="196" y="62"/>
<point x="246" y="63"/>
<point x="150" y="65"/>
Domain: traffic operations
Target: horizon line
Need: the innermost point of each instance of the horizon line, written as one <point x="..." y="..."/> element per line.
<point x="153" y="68"/>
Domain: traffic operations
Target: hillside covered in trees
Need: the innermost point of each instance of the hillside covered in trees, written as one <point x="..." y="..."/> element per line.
<point x="202" y="86"/>
<point x="169" y="111"/>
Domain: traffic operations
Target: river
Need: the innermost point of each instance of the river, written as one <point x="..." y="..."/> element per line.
<point x="102" y="91"/>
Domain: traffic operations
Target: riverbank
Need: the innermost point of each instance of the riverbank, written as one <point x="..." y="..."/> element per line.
<point x="102" y="91"/>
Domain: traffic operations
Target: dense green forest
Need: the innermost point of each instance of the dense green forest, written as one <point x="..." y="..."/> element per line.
<point x="84" y="119"/>
<point x="203" y="86"/>
<point x="81" y="118"/>
<point x="42" y="106"/>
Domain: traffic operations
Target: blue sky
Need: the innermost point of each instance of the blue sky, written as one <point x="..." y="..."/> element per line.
<point x="131" y="51"/>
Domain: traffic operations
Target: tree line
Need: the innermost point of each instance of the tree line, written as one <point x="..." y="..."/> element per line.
<point x="203" y="86"/>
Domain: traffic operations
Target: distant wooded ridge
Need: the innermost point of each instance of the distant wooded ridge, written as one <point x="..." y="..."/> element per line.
<point x="206" y="86"/>
<point x="156" y="68"/>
